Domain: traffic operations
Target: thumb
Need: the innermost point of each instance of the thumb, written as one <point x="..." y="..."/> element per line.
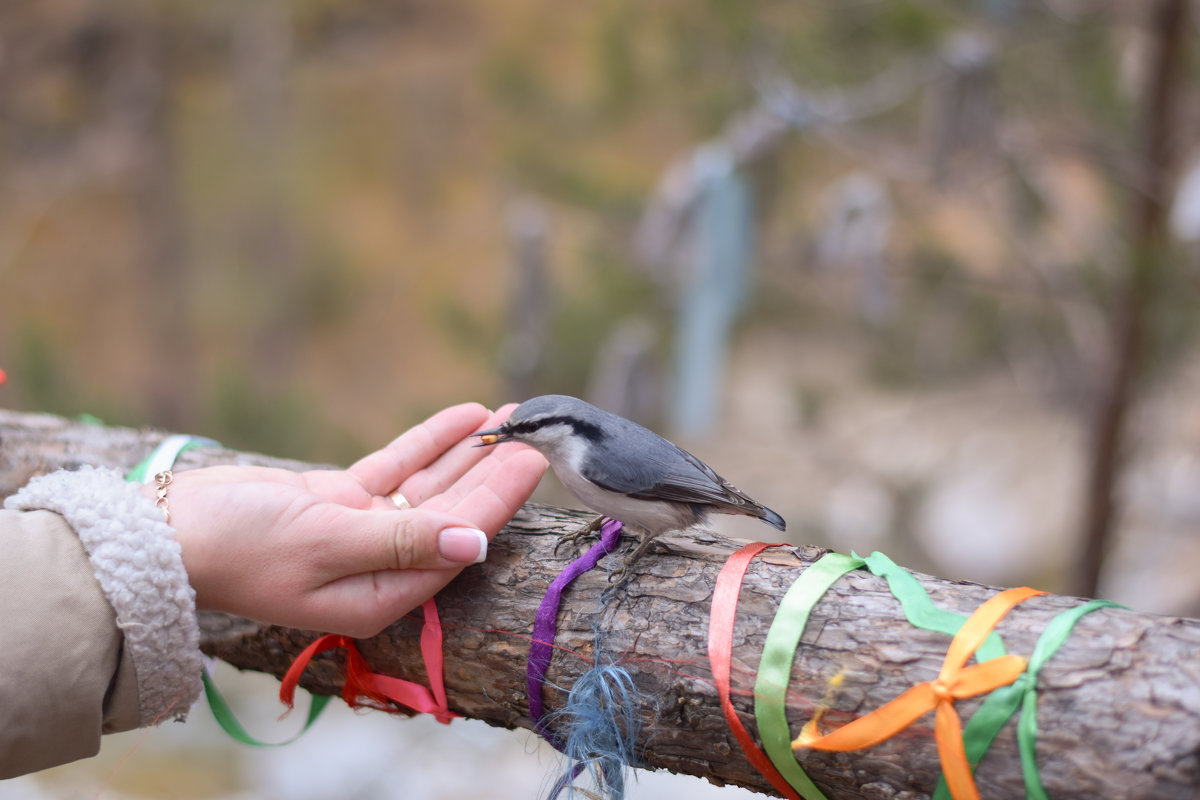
<point x="410" y="539"/>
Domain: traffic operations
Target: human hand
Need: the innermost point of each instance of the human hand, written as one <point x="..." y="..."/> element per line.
<point x="328" y="549"/>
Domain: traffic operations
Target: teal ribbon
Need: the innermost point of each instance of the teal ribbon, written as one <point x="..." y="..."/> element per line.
<point x="163" y="458"/>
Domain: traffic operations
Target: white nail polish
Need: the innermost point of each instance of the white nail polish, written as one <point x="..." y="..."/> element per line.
<point x="466" y="545"/>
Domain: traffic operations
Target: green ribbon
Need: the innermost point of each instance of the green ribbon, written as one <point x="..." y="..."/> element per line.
<point x="163" y="457"/>
<point x="1052" y="638"/>
<point x="1001" y="704"/>
<point x="225" y="717"/>
<point x="775" y="669"/>
<point x="986" y="722"/>
<point x="787" y="628"/>
<point x="920" y="610"/>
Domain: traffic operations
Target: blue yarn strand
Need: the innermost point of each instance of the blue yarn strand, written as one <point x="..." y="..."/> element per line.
<point x="599" y="726"/>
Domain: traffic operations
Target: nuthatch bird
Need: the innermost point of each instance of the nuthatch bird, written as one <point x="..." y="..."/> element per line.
<point x="622" y="470"/>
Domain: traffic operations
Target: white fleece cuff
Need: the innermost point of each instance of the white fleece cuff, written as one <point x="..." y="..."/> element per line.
<point x="140" y="569"/>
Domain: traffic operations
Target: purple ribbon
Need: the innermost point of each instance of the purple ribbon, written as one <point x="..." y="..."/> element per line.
<point x="545" y="624"/>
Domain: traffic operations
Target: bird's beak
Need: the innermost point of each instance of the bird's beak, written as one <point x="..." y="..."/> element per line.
<point x="493" y="436"/>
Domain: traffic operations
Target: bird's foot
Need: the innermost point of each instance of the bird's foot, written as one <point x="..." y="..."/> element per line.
<point x="574" y="536"/>
<point x="620" y="577"/>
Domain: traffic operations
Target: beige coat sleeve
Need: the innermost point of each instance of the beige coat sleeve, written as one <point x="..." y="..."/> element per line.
<point x="60" y="649"/>
<point x="100" y="632"/>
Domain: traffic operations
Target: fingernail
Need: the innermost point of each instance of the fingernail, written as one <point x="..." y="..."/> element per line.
<point x="467" y="545"/>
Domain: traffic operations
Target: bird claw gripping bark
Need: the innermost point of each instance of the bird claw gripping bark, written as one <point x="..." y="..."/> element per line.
<point x="574" y="536"/>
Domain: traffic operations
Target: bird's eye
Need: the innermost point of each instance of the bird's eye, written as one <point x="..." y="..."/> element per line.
<point x="526" y="426"/>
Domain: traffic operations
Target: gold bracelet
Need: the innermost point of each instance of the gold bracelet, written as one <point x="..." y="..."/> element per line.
<point x="161" y="481"/>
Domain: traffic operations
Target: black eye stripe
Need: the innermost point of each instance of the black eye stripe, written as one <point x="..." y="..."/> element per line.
<point x="581" y="428"/>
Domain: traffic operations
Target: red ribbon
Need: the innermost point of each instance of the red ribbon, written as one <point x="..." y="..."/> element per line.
<point x="362" y="687"/>
<point x="720" y="656"/>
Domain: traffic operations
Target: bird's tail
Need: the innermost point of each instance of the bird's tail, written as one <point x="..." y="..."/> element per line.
<point x="771" y="518"/>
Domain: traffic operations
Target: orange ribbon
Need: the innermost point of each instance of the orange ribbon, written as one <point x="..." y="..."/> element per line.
<point x="954" y="682"/>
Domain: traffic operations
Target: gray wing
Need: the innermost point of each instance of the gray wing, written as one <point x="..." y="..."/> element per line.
<point x="660" y="470"/>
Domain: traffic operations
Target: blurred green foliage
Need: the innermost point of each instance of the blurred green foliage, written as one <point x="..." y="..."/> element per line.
<point x="42" y="381"/>
<point x="609" y="293"/>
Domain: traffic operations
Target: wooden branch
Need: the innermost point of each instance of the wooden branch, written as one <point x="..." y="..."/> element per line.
<point x="1118" y="706"/>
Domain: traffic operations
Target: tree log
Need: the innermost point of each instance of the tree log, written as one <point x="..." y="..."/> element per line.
<point x="1118" y="705"/>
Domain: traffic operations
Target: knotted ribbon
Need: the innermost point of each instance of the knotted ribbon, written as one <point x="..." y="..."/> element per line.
<point x="362" y="687"/>
<point x="955" y="681"/>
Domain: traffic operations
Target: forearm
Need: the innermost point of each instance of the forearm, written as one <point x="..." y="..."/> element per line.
<point x="100" y="632"/>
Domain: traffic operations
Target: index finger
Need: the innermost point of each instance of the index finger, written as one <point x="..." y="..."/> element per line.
<point x="453" y="466"/>
<point x="418" y="447"/>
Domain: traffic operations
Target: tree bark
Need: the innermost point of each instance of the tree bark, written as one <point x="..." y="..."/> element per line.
<point x="1119" y="704"/>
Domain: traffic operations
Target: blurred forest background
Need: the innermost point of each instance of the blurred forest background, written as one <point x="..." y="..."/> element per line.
<point x="922" y="276"/>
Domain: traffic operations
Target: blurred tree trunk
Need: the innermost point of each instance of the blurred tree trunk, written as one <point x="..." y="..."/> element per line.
<point x="267" y="241"/>
<point x="1134" y="309"/>
<point x="1118" y="705"/>
<point x="530" y="299"/>
<point x="139" y="97"/>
